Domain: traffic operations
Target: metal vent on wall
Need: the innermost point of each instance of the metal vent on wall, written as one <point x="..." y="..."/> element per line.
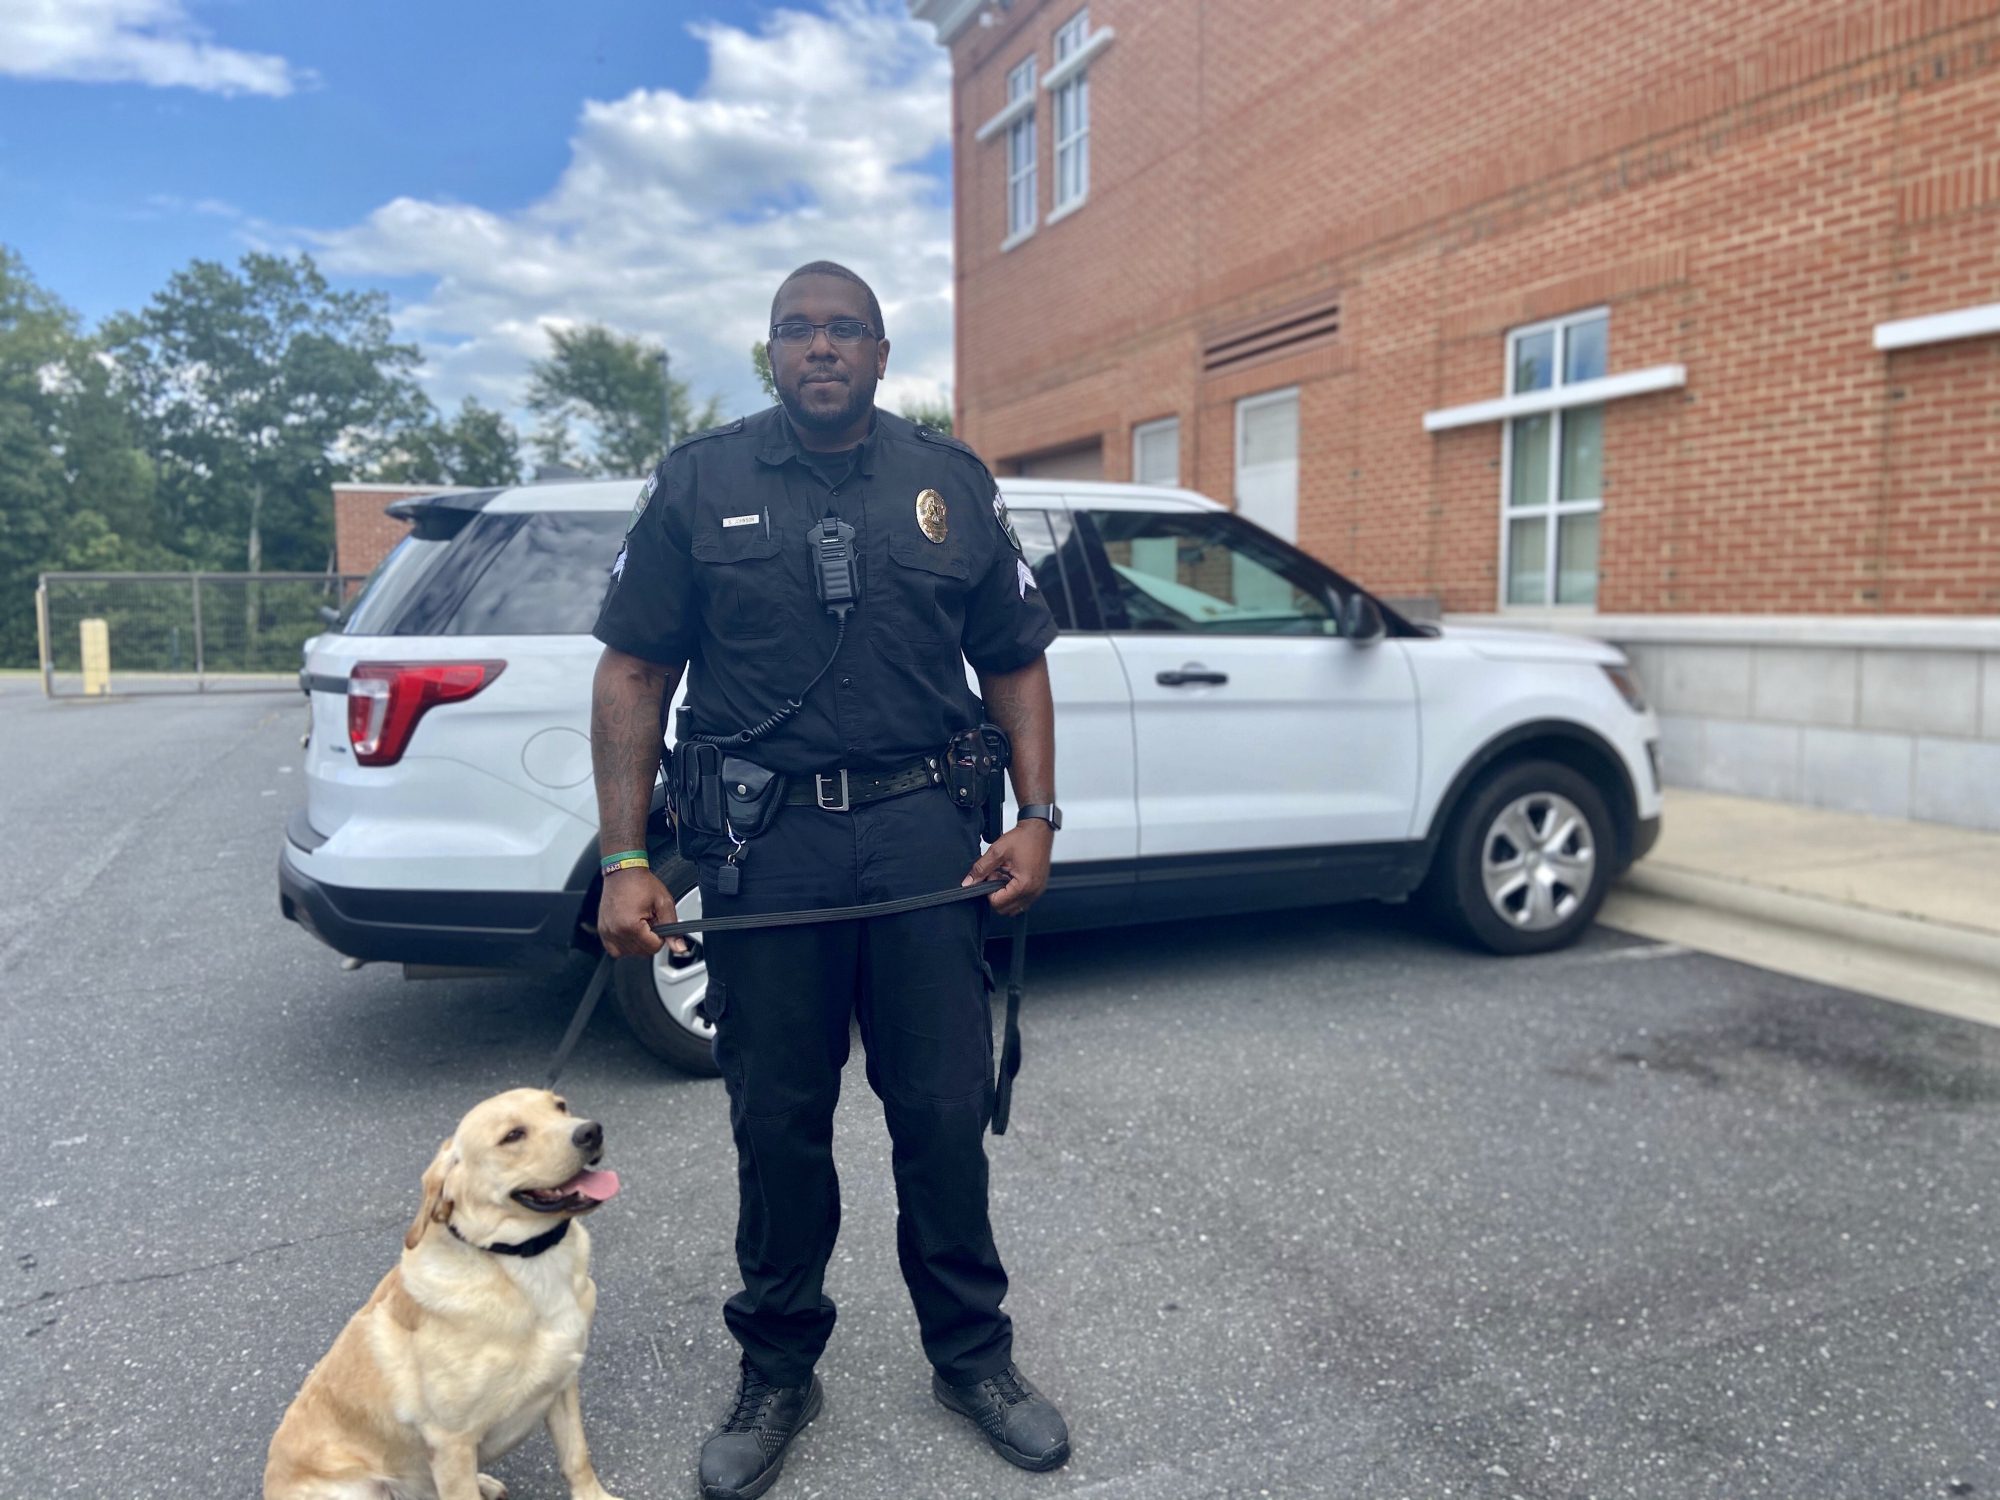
<point x="1300" y="326"/>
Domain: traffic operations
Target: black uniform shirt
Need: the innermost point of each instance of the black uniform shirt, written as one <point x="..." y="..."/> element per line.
<point x="716" y="572"/>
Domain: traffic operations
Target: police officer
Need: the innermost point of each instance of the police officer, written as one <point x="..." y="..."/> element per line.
<point x="717" y="574"/>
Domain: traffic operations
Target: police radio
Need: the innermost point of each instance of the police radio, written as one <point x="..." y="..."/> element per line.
<point x="831" y="542"/>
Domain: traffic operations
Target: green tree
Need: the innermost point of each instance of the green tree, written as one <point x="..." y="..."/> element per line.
<point x="477" y="447"/>
<point x="75" y="493"/>
<point x="935" y="415"/>
<point x="255" y="388"/>
<point x="610" y="385"/>
<point x="760" y="361"/>
<point x="36" y="332"/>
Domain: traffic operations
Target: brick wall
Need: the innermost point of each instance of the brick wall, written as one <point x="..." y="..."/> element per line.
<point x="363" y="533"/>
<point x="1748" y="185"/>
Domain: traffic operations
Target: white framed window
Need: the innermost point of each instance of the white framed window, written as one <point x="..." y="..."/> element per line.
<point x="1021" y="186"/>
<point x="1072" y="114"/>
<point x="1267" y="461"/>
<point x="1072" y="34"/>
<point x="1552" y="467"/>
<point x="1156" y="452"/>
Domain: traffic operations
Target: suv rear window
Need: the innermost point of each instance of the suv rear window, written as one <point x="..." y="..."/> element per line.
<point x="389" y="587"/>
<point x="539" y="574"/>
<point x="549" y="578"/>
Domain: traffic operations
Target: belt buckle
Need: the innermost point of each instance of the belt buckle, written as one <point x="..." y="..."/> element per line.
<point x="819" y="791"/>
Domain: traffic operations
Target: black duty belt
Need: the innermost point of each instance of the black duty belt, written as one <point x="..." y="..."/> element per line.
<point x="838" y="791"/>
<point x="1017" y="964"/>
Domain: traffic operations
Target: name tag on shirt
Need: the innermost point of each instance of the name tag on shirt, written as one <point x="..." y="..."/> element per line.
<point x="740" y="520"/>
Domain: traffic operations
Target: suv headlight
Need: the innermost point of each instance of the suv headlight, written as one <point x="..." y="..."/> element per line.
<point x="1627" y="682"/>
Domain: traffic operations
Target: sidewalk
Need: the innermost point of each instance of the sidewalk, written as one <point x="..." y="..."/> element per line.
<point x="1907" y="911"/>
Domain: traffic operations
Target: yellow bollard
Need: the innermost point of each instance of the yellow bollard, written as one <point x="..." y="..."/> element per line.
<point x="96" y="657"/>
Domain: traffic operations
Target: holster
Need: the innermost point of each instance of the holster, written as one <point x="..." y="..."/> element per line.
<point x="976" y="762"/>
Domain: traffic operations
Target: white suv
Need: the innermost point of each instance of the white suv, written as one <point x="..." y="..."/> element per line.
<point x="1238" y="727"/>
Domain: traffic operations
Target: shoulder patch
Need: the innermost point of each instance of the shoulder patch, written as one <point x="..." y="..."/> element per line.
<point x="646" y="493"/>
<point x="705" y="434"/>
<point x="1006" y="523"/>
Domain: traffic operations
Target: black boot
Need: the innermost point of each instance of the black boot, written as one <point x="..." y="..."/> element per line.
<point x="742" y="1458"/>
<point x="1019" y="1421"/>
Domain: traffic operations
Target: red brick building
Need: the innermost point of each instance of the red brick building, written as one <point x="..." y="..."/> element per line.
<point x="1572" y="306"/>
<point x="1361" y="201"/>
<point x="363" y="531"/>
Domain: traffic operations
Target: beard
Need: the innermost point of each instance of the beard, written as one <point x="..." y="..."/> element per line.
<point x="859" y="397"/>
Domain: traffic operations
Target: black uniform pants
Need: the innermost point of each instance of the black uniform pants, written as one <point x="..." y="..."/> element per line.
<point x="782" y="1000"/>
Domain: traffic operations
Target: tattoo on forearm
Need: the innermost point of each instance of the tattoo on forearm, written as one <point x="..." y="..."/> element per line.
<point x="1020" y="703"/>
<point x="625" y="742"/>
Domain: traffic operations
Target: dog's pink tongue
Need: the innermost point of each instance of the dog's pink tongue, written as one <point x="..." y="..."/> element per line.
<point x="596" y="1186"/>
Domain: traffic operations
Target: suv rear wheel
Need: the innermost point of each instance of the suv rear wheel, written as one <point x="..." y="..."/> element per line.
<point x="1526" y="860"/>
<point x="657" y="996"/>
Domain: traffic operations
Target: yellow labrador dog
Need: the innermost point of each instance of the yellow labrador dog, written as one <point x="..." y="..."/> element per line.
<point x="476" y="1336"/>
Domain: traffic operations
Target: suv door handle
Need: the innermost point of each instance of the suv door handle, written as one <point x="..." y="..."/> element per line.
<point x="1189" y="676"/>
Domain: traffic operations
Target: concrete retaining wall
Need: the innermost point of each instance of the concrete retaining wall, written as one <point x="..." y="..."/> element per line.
<point x="1899" y="717"/>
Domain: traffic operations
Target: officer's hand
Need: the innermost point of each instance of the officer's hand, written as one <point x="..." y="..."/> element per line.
<point x="632" y="902"/>
<point x="1021" y="857"/>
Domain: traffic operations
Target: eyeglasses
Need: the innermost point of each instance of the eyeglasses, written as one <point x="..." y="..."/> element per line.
<point x="798" y="333"/>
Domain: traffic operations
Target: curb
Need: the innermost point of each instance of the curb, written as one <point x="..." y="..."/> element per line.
<point x="1913" y="935"/>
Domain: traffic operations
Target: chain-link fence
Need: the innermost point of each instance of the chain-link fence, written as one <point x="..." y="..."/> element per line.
<point x="180" y="632"/>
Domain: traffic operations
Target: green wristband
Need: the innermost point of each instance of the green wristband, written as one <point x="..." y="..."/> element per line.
<point x="612" y="859"/>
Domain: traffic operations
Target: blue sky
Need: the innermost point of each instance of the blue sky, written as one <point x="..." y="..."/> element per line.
<point x="495" y="167"/>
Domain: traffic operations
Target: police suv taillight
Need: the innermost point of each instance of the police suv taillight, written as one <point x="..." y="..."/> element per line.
<point x="386" y="698"/>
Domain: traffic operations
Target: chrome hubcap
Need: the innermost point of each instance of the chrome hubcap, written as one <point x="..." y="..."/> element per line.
<point x="682" y="987"/>
<point x="1537" y="861"/>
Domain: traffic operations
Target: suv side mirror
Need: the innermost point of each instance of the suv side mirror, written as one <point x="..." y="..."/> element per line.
<point x="1361" y="620"/>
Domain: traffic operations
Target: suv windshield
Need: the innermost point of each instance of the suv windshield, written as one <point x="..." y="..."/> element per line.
<point x="513" y="574"/>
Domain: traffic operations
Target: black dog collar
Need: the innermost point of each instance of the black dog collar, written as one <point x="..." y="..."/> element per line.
<point x="528" y="1248"/>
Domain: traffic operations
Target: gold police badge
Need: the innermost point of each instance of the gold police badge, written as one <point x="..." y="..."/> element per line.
<point x="930" y="515"/>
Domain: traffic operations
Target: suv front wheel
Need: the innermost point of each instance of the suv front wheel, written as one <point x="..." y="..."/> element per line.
<point x="1525" y="861"/>
<point x="658" y="996"/>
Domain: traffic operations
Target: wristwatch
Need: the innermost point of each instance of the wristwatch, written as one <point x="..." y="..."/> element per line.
<point x="1048" y="812"/>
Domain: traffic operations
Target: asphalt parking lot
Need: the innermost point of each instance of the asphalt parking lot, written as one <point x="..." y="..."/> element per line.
<point x="1294" y="1206"/>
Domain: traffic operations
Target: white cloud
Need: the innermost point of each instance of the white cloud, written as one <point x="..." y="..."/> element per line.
<point x="677" y="215"/>
<point x="153" y="42"/>
<point x="173" y="203"/>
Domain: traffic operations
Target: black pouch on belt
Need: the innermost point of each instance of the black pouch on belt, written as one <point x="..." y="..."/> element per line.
<point x="715" y="795"/>
<point x="694" y="784"/>
<point x="751" y="795"/>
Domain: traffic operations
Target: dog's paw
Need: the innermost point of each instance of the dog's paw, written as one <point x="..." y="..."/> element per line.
<point x="491" y="1488"/>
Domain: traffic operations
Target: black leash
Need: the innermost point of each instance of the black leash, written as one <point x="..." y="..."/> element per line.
<point x="1010" y="1050"/>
